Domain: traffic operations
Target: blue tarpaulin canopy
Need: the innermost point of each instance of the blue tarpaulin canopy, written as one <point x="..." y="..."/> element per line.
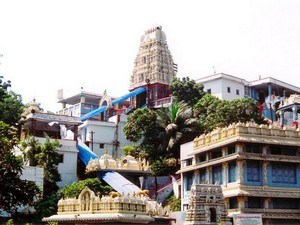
<point x="116" y="101"/>
<point x="85" y="153"/>
<point x="93" y="113"/>
<point x="128" y="95"/>
<point x="120" y="183"/>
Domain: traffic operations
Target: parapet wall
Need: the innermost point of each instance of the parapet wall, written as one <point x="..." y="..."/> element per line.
<point x="236" y="129"/>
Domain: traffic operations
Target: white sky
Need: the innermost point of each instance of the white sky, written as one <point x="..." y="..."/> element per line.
<point x="69" y="44"/>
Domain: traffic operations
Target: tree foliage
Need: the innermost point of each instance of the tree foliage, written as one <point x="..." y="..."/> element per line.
<point x="179" y="124"/>
<point x="161" y="132"/>
<point x="186" y="90"/>
<point x="75" y="188"/>
<point x="11" y="106"/>
<point x="213" y="112"/>
<point x="45" y="156"/>
<point x="139" y="123"/>
<point x="14" y="191"/>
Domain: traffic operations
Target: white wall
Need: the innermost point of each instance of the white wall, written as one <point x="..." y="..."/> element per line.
<point x="233" y="87"/>
<point x="219" y="88"/>
<point x="68" y="168"/>
<point x="35" y="174"/>
<point x="104" y="133"/>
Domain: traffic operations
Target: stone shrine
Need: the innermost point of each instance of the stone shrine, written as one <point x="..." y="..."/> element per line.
<point x="206" y="206"/>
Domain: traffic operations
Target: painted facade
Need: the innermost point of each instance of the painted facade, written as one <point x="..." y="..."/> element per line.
<point x="258" y="168"/>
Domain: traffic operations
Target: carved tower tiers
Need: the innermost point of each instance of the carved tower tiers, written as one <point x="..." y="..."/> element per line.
<point x="206" y="206"/>
<point x="153" y="66"/>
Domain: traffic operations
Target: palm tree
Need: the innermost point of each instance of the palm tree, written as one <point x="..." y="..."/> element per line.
<point x="180" y="126"/>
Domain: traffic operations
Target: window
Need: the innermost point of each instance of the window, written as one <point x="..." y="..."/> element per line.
<point x="188" y="162"/>
<point x="231" y="172"/>
<point x="217" y="177"/>
<point x="253" y="171"/>
<point x="61" y="158"/>
<point x="284" y="173"/>
<point x="247" y="91"/>
<point x="101" y="145"/>
<point x="277" y="150"/>
<point x="250" y="148"/>
<point x="237" y="91"/>
<point x="233" y="203"/>
<point x="209" y="91"/>
<point x="228" y="89"/>
<point x="255" y="203"/>
<point x="201" y="158"/>
<point x="230" y="149"/>
<point x="189" y="181"/>
<point x="281" y="203"/>
<point x="216" y="154"/>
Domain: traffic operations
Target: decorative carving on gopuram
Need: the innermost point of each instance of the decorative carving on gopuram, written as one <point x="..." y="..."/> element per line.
<point x="153" y="64"/>
<point x="206" y="206"/>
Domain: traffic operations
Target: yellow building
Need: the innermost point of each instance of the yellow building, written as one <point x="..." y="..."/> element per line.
<point x="258" y="168"/>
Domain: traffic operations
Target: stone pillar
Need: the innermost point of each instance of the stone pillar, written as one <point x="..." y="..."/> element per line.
<point x="196" y="176"/>
<point x="265" y="172"/>
<point x="225" y="173"/>
<point x="239" y="148"/>
<point x="224" y="151"/>
<point x="208" y="174"/>
<point x="265" y="150"/>
<point x="240" y="167"/>
<point x="241" y="202"/>
<point x="207" y="156"/>
<point x="266" y="203"/>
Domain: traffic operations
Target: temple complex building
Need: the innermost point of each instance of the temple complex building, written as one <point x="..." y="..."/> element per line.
<point x="257" y="166"/>
<point x="153" y="69"/>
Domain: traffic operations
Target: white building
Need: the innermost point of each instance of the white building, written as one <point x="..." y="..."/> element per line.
<point x="269" y="92"/>
<point x="45" y="126"/>
<point x="105" y="136"/>
<point x="225" y="86"/>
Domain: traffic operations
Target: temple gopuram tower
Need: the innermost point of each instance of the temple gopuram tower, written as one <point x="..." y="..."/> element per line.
<point x="206" y="206"/>
<point x="153" y="69"/>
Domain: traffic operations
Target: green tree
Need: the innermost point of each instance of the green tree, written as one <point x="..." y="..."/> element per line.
<point x="139" y="123"/>
<point x="213" y="112"/>
<point x="45" y="156"/>
<point x="179" y="124"/>
<point x="174" y="203"/>
<point x="186" y="90"/>
<point x="75" y="188"/>
<point x="11" y="106"/>
<point x="14" y="191"/>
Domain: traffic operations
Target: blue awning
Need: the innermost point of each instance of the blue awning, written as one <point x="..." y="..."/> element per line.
<point x="93" y="113"/>
<point x="128" y="95"/>
<point x="85" y="154"/>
